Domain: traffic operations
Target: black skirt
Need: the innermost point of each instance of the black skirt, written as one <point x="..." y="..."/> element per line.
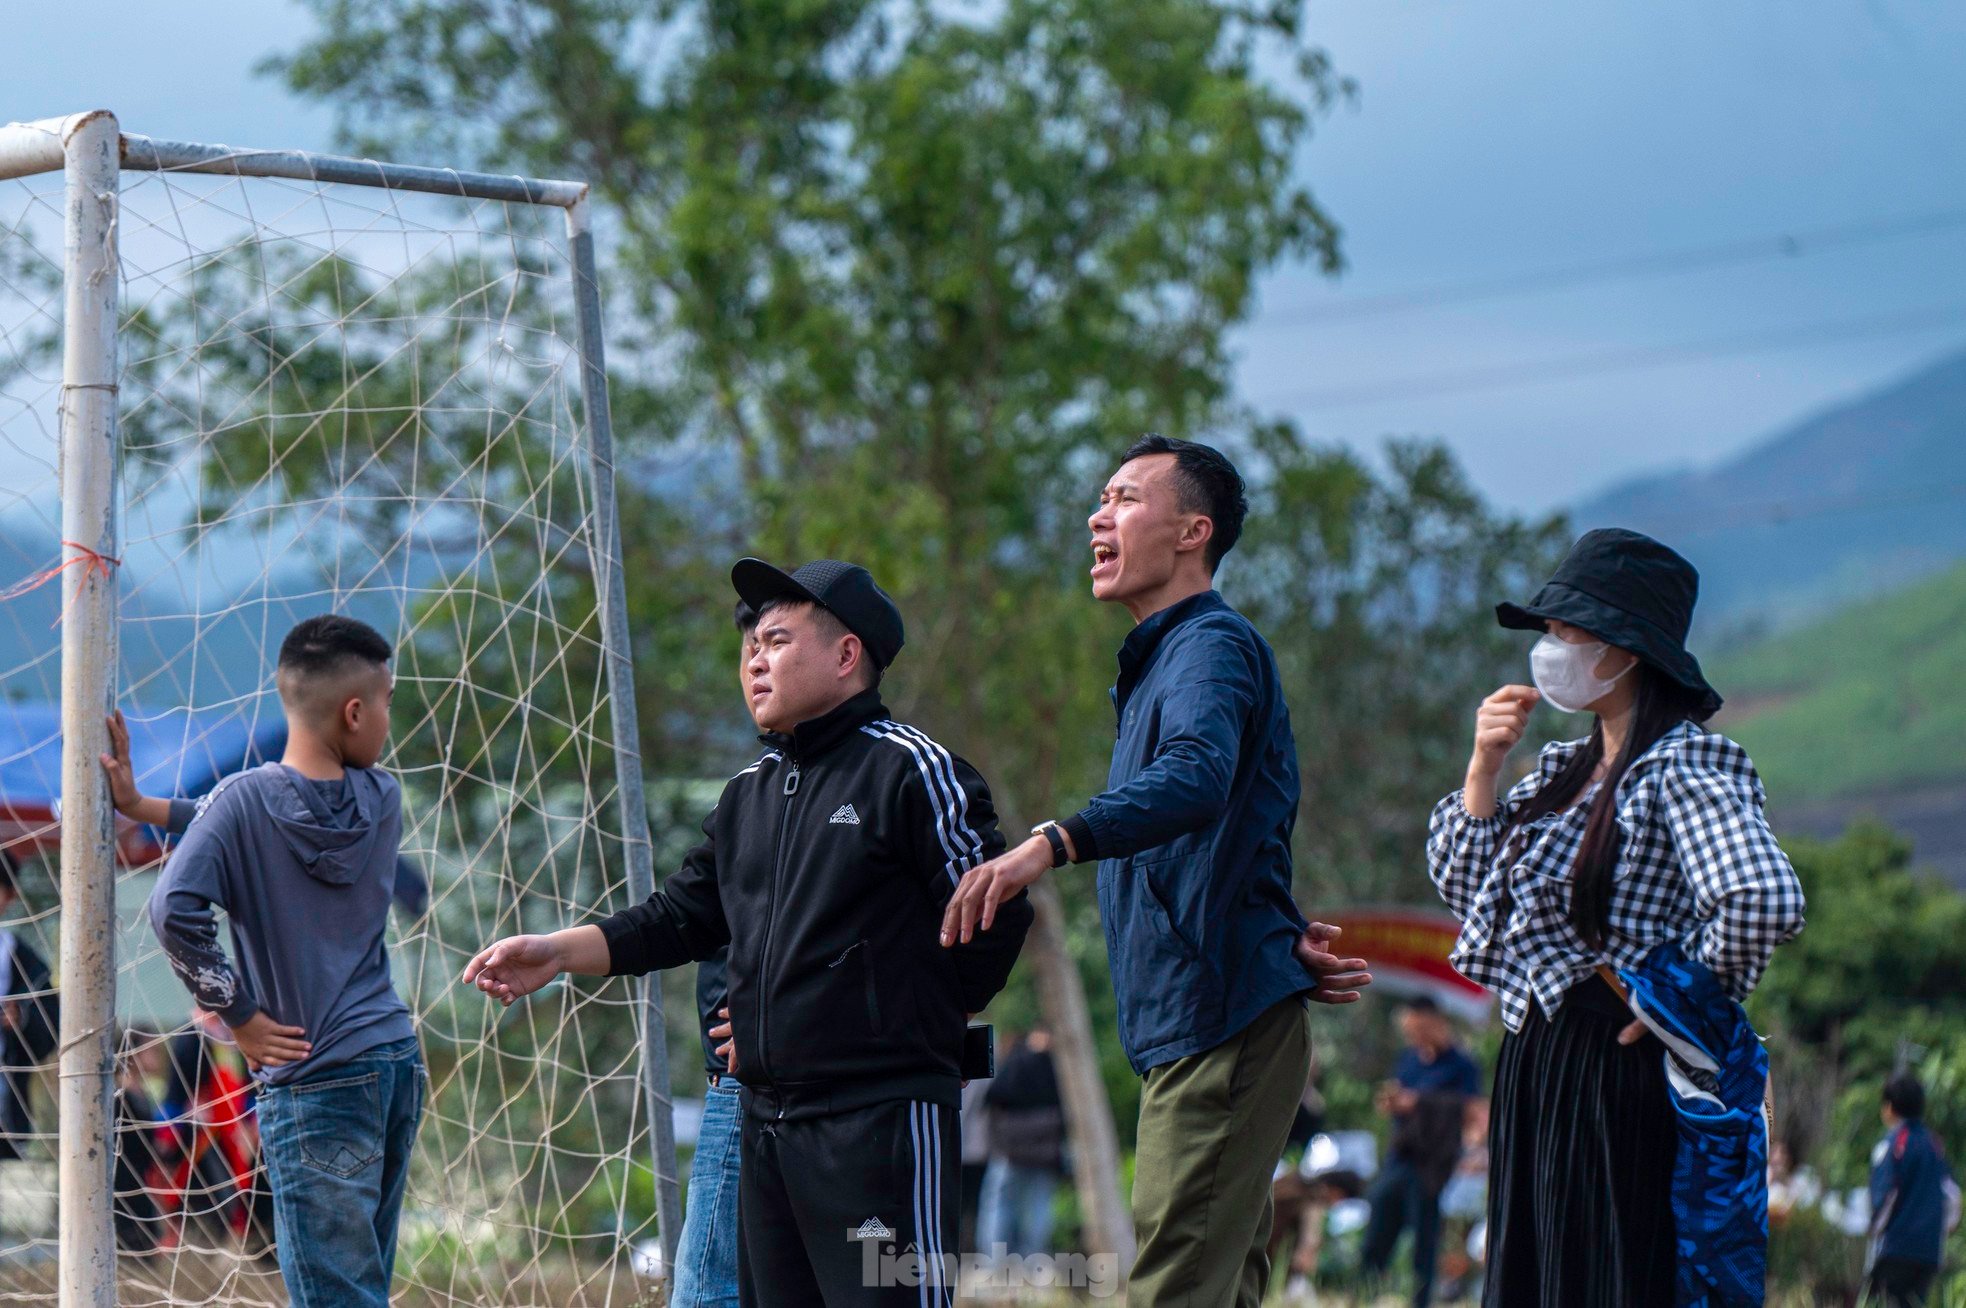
<point x="1582" y="1139"/>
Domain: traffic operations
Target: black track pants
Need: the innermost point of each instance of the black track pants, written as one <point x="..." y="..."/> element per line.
<point x="850" y="1208"/>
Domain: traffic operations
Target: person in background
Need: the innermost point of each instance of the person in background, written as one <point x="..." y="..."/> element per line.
<point x="1908" y="1204"/>
<point x="208" y="1149"/>
<point x="141" y="1143"/>
<point x="1310" y="1114"/>
<point x="1027" y="1150"/>
<point x="1790" y="1185"/>
<point x="1433" y="1083"/>
<point x="1463" y="1204"/>
<point x="30" y="1018"/>
<point x="706" y="1253"/>
<point x="975" y="1159"/>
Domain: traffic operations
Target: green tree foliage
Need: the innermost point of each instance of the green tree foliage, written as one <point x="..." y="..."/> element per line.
<point x="1875" y="983"/>
<point x="916" y="275"/>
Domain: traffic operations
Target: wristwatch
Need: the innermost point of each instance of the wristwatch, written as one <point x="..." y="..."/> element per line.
<point x="1056" y="839"/>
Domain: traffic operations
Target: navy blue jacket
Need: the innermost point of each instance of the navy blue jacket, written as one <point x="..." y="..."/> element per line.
<point x="1193" y="834"/>
<point x="1908" y="1173"/>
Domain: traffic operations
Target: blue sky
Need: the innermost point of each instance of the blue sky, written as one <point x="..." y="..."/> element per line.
<point x="1491" y="138"/>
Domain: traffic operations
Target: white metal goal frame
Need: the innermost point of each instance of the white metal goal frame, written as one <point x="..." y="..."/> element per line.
<point x="92" y="151"/>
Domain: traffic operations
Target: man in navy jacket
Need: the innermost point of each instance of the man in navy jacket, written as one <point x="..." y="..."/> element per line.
<point x="1908" y="1181"/>
<point x="1211" y="959"/>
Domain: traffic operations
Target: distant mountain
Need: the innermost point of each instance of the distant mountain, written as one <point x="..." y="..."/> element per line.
<point x="1860" y="714"/>
<point x="1847" y="504"/>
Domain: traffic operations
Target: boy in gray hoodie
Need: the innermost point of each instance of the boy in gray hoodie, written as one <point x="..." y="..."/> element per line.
<point x="302" y="856"/>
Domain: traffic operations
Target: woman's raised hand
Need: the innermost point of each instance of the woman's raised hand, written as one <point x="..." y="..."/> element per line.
<point x="1499" y="724"/>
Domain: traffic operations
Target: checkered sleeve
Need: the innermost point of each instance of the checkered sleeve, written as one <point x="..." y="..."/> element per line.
<point x="1745" y="893"/>
<point x="1460" y="849"/>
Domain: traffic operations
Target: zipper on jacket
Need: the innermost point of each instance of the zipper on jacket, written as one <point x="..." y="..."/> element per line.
<point x="790" y="790"/>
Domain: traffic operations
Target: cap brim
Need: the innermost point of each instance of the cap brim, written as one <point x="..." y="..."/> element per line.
<point x="1518" y="618"/>
<point x="758" y="583"/>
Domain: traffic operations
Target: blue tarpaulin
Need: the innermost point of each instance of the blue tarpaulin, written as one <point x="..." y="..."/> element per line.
<point x="175" y="752"/>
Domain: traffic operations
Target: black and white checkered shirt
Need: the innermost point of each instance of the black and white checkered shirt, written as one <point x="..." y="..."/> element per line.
<point x="1699" y="866"/>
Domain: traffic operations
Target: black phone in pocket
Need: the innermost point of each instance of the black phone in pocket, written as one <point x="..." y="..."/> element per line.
<point x="979" y="1052"/>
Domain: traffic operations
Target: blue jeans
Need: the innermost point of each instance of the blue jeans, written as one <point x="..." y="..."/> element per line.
<point x="706" y="1254"/>
<point x="337" y="1151"/>
<point x="1015" y="1209"/>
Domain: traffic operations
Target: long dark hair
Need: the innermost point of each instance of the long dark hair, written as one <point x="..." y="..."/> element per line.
<point x="1661" y="704"/>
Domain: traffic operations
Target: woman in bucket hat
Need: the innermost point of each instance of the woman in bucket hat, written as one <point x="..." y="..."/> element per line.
<point x="1648" y="832"/>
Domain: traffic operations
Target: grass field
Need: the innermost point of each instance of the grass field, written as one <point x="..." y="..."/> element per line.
<point x="1861" y="703"/>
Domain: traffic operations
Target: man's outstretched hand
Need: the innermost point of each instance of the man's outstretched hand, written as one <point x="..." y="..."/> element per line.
<point x="987" y="886"/>
<point x="1338" y="979"/>
<point x="515" y="966"/>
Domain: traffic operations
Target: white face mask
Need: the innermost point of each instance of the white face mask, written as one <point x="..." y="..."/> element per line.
<point x="1567" y="674"/>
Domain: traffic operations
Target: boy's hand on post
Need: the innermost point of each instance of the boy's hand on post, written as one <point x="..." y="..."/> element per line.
<point x="514" y="967"/>
<point x="986" y="886"/>
<point x="121" y="775"/>
<point x="123" y="792"/>
<point x="1338" y="979"/>
<point x="266" y="1043"/>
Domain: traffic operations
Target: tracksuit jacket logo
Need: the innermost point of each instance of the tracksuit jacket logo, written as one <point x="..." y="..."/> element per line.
<point x="844" y="816"/>
<point x="872" y="1229"/>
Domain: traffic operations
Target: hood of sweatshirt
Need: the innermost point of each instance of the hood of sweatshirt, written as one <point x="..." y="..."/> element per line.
<point x="329" y="853"/>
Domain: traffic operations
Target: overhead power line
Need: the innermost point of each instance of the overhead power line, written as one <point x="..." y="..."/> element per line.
<point x="1461" y="381"/>
<point x="1697" y="258"/>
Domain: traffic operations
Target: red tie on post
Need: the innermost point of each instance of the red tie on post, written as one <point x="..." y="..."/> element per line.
<point x="93" y="563"/>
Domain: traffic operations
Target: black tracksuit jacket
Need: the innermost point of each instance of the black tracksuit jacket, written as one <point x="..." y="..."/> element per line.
<point x="826" y="866"/>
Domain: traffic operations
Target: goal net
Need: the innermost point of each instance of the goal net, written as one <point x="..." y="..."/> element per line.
<point x="365" y="399"/>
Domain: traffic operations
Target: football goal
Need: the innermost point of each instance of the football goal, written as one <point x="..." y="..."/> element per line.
<point x="238" y="388"/>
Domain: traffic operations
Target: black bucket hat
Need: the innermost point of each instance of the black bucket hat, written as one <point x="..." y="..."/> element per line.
<point x="1628" y="590"/>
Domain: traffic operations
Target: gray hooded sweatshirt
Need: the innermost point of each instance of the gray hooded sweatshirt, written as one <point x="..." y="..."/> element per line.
<point x="306" y="891"/>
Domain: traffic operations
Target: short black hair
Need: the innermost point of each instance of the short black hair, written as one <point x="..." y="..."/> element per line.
<point x="1209" y="485"/>
<point x="1422" y="1004"/>
<point x="1905" y="1097"/>
<point x="745" y="617"/>
<point x="324" y="645"/>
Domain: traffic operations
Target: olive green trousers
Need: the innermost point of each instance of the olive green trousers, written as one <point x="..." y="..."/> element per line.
<point x="1212" y="1127"/>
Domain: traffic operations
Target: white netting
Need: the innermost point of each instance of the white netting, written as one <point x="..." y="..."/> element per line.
<point x="338" y="398"/>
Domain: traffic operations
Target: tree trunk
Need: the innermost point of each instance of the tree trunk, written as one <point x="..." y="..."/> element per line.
<point x="1088" y="1112"/>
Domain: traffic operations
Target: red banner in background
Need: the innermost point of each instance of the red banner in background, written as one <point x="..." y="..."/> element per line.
<point x="1407" y="949"/>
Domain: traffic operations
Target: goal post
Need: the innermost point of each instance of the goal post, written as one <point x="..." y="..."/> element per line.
<point x="389" y="428"/>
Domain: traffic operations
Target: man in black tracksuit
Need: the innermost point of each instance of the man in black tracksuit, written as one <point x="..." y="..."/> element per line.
<point x="825" y="867"/>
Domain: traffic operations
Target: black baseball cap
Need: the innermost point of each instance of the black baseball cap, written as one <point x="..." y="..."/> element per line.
<point x="845" y="590"/>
